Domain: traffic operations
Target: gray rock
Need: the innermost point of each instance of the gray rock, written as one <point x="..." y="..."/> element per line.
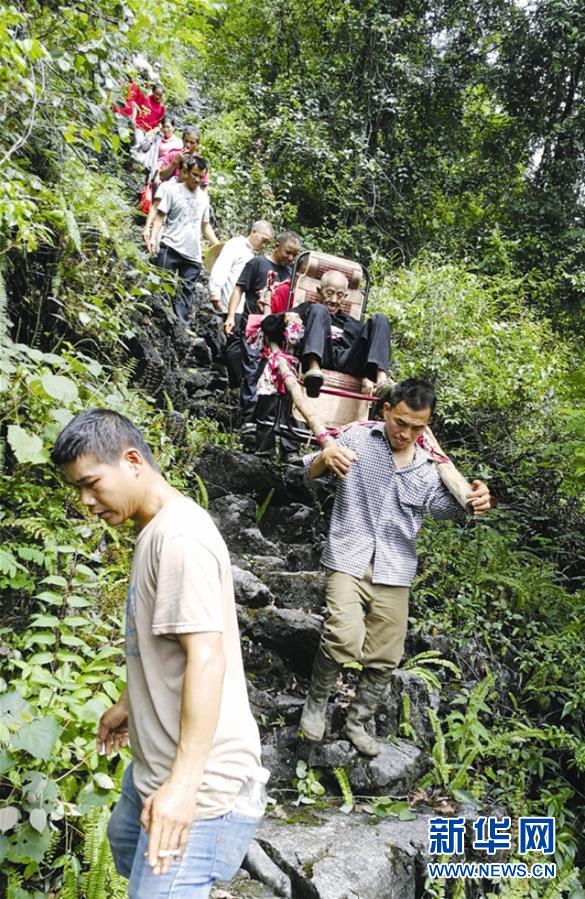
<point x="298" y="589"/>
<point x="291" y="524"/>
<point x="253" y="539"/>
<point x="304" y="556"/>
<point x="261" y="866"/>
<point x="410" y="690"/>
<point x="293" y="633"/>
<point x="279" y="755"/>
<point x="394" y="771"/>
<point x="260" y="565"/>
<point x="333" y="856"/>
<point x="235" y="516"/>
<point x="280" y="706"/>
<point x="230" y="471"/>
<point x="249" y="590"/>
<point x="337" y="754"/>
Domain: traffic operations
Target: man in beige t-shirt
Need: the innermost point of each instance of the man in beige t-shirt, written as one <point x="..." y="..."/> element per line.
<point x="192" y="797"/>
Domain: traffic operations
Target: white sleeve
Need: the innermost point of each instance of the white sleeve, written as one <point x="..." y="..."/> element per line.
<point x="166" y="201"/>
<point x="222" y="268"/>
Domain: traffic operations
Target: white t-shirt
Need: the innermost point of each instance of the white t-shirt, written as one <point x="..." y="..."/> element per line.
<point x="185" y="211"/>
<point x="181" y="583"/>
<point x="228" y="268"/>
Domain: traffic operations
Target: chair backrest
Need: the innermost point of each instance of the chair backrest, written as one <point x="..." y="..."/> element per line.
<point x="317" y="265"/>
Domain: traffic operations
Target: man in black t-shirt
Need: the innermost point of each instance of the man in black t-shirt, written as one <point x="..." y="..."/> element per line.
<point x="257" y="279"/>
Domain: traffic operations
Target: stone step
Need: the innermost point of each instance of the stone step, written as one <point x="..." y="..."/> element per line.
<point x="297" y="589"/>
<point x="328" y="855"/>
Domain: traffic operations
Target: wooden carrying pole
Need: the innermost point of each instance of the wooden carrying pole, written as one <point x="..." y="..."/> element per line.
<point x="451" y="477"/>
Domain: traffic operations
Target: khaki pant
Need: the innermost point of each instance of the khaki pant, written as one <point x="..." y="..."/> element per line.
<point x="367" y="622"/>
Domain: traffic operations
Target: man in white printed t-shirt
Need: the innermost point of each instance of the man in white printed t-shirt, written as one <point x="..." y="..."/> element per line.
<point x="183" y="216"/>
<point x="232" y="259"/>
<point x="192" y="796"/>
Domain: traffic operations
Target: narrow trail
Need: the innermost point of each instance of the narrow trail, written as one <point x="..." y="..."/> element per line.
<point x="274" y="525"/>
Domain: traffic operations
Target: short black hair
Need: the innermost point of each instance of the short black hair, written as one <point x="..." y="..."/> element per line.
<point x="288" y="235"/>
<point x="103" y="433"/>
<point x="416" y="393"/>
<point x="168" y="120"/>
<point x="197" y="162"/>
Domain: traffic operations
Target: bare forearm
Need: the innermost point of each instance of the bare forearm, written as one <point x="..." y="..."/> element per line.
<point x="199" y="717"/>
<point x="209" y="233"/>
<point x="165" y="173"/>
<point x="156" y="228"/>
<point x="151" y="215"/>
<point x="318" y="467"/>
<point x="234" y="301"/>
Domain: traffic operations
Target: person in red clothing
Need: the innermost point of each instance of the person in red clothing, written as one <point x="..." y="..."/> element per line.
<point x="151" y="111"/>
<point x="135" y="99"/>
<point x="279" y="298"/>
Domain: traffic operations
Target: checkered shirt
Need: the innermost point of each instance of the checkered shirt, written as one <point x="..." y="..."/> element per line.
<point x="378" y="508"/>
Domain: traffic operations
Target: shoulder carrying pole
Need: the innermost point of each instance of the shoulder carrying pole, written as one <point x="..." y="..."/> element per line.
<point x="451" y="477"/>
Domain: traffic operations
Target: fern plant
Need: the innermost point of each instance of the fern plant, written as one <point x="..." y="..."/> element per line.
<point x="342" y="779"/>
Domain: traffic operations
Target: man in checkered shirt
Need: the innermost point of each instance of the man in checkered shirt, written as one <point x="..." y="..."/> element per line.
<point x="386" y="484"/>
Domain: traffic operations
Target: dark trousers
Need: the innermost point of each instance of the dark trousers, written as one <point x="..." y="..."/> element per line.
<point x="188" y="272"/>
<point x="273" y="416"/>
<point x="369" y="350"/>
<point x="251" y="369"/>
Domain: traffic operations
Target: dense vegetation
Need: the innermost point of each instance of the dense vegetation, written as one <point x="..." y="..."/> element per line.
<point x="440" y="142"/>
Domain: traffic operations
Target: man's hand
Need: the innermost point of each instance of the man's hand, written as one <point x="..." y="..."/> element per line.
<point x="151" y="243"/>
<point x="229" y="324"/>
<point x="338" y="459"/>
<point x="113" y="728"/>
<point x="167" y="816"/>
<point x="146" y="235"/>
<point x="480" y="498"/>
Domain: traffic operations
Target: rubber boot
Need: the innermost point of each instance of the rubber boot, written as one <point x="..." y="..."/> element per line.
<point x="370" y="687"/>
<point x="323" y="678"/>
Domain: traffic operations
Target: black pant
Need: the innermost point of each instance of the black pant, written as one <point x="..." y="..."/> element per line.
<point x="273" y="416"/>
<point x="188" y="272"/>
<point x="369" y="350"/>
<point x="252" y="365"/>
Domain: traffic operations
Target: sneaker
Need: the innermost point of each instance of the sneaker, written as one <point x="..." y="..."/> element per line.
<point x="248" y="427"/>
<point x="313" y="381"/>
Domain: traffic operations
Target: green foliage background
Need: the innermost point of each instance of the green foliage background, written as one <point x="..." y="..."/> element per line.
<point x="442" y="144"/>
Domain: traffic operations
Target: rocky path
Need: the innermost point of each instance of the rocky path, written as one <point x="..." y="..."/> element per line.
<point x="274" y="524"/>
<point x="313" y="851"/>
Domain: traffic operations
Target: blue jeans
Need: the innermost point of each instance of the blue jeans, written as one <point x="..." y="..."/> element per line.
<point x="215" y="850"/>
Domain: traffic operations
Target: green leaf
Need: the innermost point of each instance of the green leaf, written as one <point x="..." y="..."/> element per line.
<point x="93" y="710"/>
<point x="6" y="761"/>
<point x="26" y="447"/>
<point x="38" y="819"/>
<point x="38" y="738"/>
<point x="28" y="845"/>
<point x="60" y="388"/>
<point x="103" y="780"/>
<point x="44" y="621"/>
<point x="76" y="621"/>
<point x="39" y="791"/>
<point x="9" y="818"/>
<point x="13" y="704"/>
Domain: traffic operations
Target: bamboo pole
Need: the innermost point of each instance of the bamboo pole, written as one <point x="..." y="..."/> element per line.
<point x="456" y="484"/>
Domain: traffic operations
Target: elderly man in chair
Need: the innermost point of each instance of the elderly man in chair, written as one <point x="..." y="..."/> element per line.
<point x="335" y="340"/>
